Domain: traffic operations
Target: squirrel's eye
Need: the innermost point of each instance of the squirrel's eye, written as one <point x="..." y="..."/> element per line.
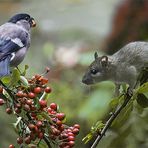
<point x="93" y="71"/>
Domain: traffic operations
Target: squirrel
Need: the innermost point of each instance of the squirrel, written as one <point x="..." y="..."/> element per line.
<point x="124" y="66"/>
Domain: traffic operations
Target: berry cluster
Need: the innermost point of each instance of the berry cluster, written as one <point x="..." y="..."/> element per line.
<point x="37" y="122"/>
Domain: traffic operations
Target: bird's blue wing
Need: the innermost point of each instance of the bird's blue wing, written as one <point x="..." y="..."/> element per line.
<point x="9" y="46"/>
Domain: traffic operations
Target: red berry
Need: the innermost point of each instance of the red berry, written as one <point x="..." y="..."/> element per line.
<point x="31" y="95"/>
<point x="29" y="102"/>
<point x="53" y="112"/>
<point x="26" y="107"/>
<point x="59" y="123"/>
<point x="61" y="128"/>
<point x="75" y="131"/>
<point x="32" y="108"/>
<point x="31" y="126"/>
<point x="40" y="135"/>
<point x="17" y="110"/>
<point x="48" y="89"/>
<point x="19" y="140"/>
<point x="71" y="138"/>
<point x="24" y="95"/>
<point x="2" y="101"/>
<point x="18" y="105"/>
<point x="33" y="114"/>
<point x="43" y="103"/>
<point x="27" y="140"/>
<point x="36" y="129"/>
<point x="8" y="110"/>
<point x="49" y="110"/>
<point x="53" y="106"/>
<point x="77" y="126"/>
<point x="37" y="90"/>
<point x="43" y="81"/>
<point x="60" y="116"/>
<point x="70" y="134"/>
<point x="20" y="94"/>
<point x="11" y="146"/>
<point x="39" y="123"/>
<point x="64" y="136"/>
<point x="71" y="143"/>
<point x="37" y="76"/>
<point x="55" y="132"/>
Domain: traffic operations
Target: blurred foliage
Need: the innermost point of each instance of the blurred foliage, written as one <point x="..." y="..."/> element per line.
<point x="130" y="23"/>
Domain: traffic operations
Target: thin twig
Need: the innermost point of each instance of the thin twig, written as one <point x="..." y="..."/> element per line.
<point x="111" y="119"/>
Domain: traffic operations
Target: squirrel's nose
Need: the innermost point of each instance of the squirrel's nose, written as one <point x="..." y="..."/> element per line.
<point x="85" y="80"/>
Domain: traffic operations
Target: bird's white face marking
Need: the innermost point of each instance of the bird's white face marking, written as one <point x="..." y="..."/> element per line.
<point x="13" y="55"/>
<point x="18" y="42"/>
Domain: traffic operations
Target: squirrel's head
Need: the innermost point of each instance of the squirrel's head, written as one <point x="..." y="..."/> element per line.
<point x="97" y="71"/>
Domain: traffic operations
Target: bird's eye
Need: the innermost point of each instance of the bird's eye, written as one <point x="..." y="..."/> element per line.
<point x="26" y="18"/>
<point x="94" y="71"/>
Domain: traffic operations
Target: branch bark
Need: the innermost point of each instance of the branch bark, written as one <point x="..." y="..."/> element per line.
<point x="111" y="119"/>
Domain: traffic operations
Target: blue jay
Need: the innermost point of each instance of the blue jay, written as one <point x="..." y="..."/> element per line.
<point x="14" y="41"/>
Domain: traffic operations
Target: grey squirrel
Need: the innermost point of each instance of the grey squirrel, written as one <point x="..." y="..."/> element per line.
<point x="124" y="66"/>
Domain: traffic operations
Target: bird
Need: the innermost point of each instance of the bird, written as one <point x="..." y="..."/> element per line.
<point x="14" y="41"/>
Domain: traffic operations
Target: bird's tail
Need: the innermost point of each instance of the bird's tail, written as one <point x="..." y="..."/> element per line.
<point x="4" y="67"/>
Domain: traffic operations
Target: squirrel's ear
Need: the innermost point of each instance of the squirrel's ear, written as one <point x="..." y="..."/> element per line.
<point x="104" y="61"/>
<point x="96" y="55"/>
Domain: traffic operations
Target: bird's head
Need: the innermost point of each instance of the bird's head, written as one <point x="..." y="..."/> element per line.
<point x="23" y="18"/>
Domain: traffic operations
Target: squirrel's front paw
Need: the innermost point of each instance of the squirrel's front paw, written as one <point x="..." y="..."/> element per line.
<point x="129" y="91"/>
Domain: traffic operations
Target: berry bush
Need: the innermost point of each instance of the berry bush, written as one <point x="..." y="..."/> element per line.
<point x="38" y="124"/>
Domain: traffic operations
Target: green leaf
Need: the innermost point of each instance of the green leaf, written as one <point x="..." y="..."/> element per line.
<point x="25" y="70"/>
<point x="124" y="115"/>
<point x="24" y="81"/>
<point x="6" y="79"/>
<point x="143" y="88"/>
<point x="139" y="108"/>
<point x="99" y="125"/>
<point x="87" y="138"/>
<point x="124" y="87"/>
<point x="142" y="100"/>
<point x="36" y="103"/>
<point x="114" y="102"/>
<point x="94" y="129"/>
<point x="15" y="77"/>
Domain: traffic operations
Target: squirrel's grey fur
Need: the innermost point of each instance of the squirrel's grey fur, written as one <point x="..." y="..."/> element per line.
<point x="122" y="67"/>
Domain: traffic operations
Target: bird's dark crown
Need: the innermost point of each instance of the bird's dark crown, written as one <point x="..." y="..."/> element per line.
<point x="18" y="17"/>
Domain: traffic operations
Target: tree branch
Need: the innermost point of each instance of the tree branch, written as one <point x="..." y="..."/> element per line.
<point x="111" y="119"/>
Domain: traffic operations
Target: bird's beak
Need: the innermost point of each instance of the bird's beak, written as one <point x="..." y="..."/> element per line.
<point x="33" y="23"/>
